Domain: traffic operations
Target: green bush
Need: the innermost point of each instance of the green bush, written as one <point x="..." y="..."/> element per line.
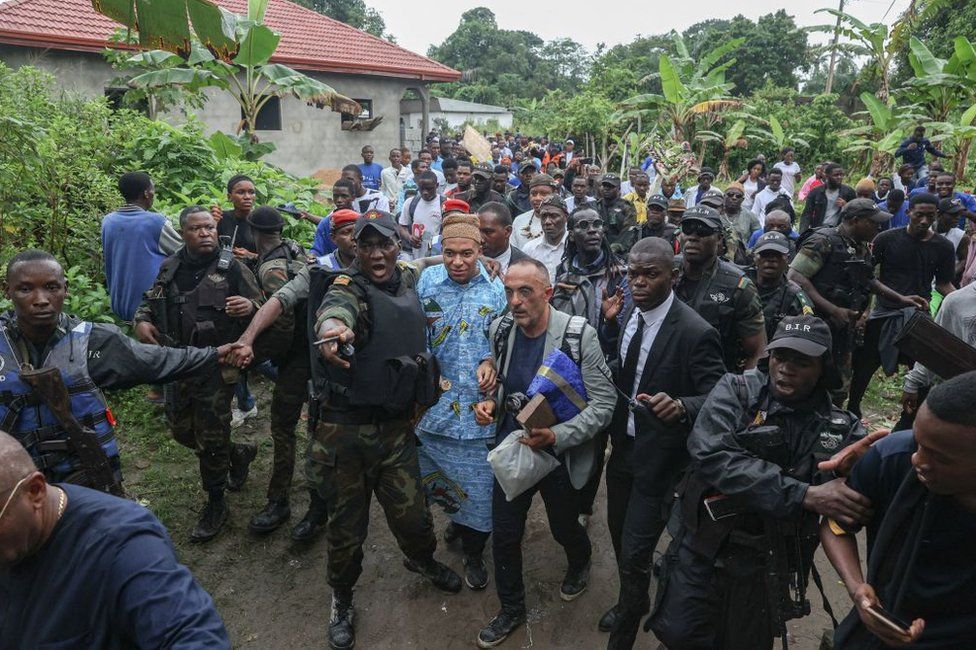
<point x="60" y="159"/>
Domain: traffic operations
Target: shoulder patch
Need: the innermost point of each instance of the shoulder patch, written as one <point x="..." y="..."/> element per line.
<point x="342" y="280"/>
<point x="743" y="281"/>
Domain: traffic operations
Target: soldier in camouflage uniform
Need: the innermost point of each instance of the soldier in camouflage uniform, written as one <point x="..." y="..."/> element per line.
<point x="207" y="303"/>
<point x="364" y="443"/>
<point x="280" y="260"/>
<point x="780" y="297"/>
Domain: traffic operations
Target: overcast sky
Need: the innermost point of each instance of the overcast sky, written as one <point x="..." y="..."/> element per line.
<point x="419" y="23"/>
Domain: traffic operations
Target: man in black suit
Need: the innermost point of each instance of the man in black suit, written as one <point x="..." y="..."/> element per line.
<point x="670" y="358"/>
<point x="826" y="202"/>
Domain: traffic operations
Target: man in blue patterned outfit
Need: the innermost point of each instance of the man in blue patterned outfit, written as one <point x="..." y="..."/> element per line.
<point x="460" y="300"/>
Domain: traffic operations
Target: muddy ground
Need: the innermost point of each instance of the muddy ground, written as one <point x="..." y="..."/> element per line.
<point x="272" y="593"/>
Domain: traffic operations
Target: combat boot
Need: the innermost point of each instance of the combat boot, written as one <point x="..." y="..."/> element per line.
<point x="211" y="519"/>
<point x="274" y="514"/>
<point x="241" y="457"/>
<point x="439" y="575"/>
<point x="313" y="521"/>
<point x="342" y="634"/>
<point x="574" y="584"/>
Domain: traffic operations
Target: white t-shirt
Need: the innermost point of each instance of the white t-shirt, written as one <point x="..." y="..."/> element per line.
<point x="546" y="253"/>
<point x="764" y="198"/>
<point x="427" y="214"/>
<point x="749" y="188"/>
<point x="789" y="175"/>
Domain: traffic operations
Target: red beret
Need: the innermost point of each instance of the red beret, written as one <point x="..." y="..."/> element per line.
<point x="456" y="205"/>
<point x="342" y="217"/>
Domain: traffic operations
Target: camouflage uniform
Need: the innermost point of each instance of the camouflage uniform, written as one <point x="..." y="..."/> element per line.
<point x="821" y="258"/>
<point x="294" y="370"/>
<point x="349" y="461"/>
<point x="200" y="414"/>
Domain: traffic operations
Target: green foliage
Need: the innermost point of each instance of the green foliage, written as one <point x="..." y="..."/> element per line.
<point x="351" y="12"/>
<point x="53" y="197"/>
<point x="502" y="65"/>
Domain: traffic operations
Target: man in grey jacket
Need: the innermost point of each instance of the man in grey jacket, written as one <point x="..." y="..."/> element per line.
<point x="520" y="341"/>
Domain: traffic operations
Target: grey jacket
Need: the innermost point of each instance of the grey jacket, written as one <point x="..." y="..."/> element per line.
<point x="573" y="437"/>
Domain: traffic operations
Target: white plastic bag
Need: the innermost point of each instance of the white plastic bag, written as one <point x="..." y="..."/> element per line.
<point x="517" y="466"/>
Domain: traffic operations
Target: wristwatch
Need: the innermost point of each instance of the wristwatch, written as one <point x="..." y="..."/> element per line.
<point x="682" y="411"/>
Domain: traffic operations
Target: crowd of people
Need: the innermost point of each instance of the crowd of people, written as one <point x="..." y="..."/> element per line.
<point x="704" y="352"/>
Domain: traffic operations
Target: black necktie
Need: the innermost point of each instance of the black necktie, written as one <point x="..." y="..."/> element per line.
<point x="629" y="371"/>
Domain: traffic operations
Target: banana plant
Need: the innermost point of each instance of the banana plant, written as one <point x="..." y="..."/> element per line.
<point x="941" y="86"/>
<point x="959" y="135"/>
<point x="200" y="44"/>
<point x="887" y="126"/>
<point x="876" y="41"/>
<point x="693" y="92"/>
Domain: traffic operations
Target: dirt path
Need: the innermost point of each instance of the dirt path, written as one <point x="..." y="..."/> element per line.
<point x="273" y="594"/>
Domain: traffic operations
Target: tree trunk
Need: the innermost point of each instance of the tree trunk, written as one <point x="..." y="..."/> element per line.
<point x="962" y="157"/>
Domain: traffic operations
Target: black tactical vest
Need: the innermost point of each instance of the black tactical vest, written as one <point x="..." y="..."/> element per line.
<point x="715" y="304"/>
<point x="198" y="317"/>
<point x="834" y="282"/>
<point x="397" y="328"/>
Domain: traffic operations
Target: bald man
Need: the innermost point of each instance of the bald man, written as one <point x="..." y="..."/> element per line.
<point x="83" y="569"/>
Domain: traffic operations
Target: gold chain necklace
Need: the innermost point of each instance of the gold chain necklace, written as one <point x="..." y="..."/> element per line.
<point x="61" y="502"/>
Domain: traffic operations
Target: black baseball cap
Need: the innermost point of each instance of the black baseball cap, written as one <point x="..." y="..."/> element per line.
<point x="659" y="201"/>
<point x="381" y="221"/>
<point x="865" y="208"/>
<point x="611" y="179"/>
<point x="706" y="171"/>
<point x="772" y="241"/>
<point x="951" y="206"/>
<point x="482" y="170"/>
<point x="713" y="198"/>
<point x="806" y="334"/>
<point x="708" y="216"/>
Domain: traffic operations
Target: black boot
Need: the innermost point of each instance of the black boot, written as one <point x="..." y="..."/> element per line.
<point x="313" y="521"/>
<point x="274" y="514"/>
<point x="211" y="519"/>
<point x="609" y="619"/>
<point x="241" y="456"/>
<point x="500" y="627"/>
<point x="439" y="575"/>
<point x="342" y="634"/>
<point x="574" y="584"/>
<point x="475" y="572"/>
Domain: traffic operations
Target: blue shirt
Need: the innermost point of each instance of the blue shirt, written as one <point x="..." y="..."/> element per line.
<point x="968" y="201"/>
<point x="437" y="164"/>
<point x="322" y="244"/>
<point x="107" y="578"/>
<point x="458" y="317"/>
<point x="371" y="175"/>
<point x="525" y="360"/>
<point x="898" y="219"/>
<point x="130" y="244"/>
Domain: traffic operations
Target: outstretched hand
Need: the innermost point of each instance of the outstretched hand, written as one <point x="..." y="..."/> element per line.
<point x="226" y="353"/>
<point x="842" y="462"/>
<point x="612" y="304"/>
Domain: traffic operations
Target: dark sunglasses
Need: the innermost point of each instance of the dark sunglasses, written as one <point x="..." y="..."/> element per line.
<point x="735" y="195"/>
<point x="586" y="224"/>
<point x="697" y="228"/>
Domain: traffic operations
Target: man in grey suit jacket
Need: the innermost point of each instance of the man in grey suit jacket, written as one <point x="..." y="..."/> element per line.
<point x="535" y="330"/>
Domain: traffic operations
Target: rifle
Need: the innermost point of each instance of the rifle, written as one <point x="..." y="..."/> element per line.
<point x="156" y="297"/>
<point x="786" y="586"/>
<point x="49" y="387"/>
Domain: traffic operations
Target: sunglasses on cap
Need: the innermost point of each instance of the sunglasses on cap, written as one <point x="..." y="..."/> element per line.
<point x="697" y="228"/>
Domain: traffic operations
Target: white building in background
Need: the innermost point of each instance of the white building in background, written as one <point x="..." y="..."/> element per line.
<point x="67" y="37"/>
<point x="454" y="112"/>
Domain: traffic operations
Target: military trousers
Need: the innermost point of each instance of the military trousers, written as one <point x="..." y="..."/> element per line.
<point x="347" y="464"/>
<point x="290" y="393"/>
<point x="200" y="420"/>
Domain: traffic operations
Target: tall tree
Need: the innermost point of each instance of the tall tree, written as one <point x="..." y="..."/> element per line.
<point x="351" y="12"/>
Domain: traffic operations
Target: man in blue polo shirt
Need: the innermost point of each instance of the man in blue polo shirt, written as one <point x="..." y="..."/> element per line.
<point x="372" y="172"/>
<point x="135" y="242"/>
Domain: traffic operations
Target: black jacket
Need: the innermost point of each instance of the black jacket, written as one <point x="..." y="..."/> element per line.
<point x="816" y="207"/>
<point x="685" y="361"/>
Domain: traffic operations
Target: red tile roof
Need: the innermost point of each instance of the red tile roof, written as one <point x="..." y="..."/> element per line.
<point x="309" y="40"/>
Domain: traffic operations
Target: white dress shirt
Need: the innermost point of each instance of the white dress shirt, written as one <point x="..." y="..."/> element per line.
<point x="504" y="259"/>
<point x="652" y="325"/>
<point x="546" y="253"/>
